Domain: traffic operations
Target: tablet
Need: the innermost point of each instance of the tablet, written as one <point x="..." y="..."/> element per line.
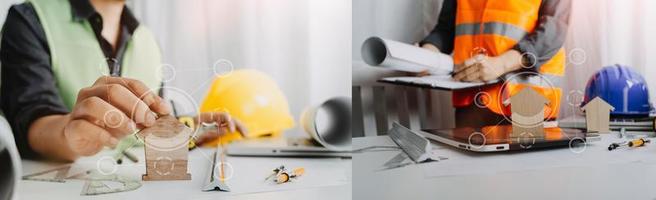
<point x="500" y="138"/>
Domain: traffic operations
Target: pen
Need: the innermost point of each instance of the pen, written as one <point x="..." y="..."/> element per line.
<point x="114" y="71"/>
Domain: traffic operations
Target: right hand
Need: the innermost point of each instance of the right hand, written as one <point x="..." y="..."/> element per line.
<point x="110" y="109"/>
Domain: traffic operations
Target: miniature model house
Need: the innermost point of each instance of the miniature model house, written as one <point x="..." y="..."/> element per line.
<point x="166" y="150"/>
<point x="597" y="115"/>
<point x="527" y="107"/>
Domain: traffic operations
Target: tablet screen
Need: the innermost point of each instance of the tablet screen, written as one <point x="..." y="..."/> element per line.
<point x="502" y="134"/>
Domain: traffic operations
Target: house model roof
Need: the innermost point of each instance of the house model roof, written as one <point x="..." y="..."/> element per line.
<point x="165" y="127"/>
<point x="598" y="102"/>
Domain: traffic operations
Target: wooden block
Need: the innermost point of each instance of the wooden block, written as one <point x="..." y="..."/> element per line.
<point x="527" y="107"/>
<point x="147" y="177"/>
<point x="597" y="115"/>
<point x="166" y="150"/>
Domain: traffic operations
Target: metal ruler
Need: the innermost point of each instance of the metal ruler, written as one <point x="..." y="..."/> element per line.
<point x="217" y="183"/>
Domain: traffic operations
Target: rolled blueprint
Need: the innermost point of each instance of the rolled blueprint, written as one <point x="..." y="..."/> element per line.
<point x="400" y="56"/>
<point x="329" y="124"/>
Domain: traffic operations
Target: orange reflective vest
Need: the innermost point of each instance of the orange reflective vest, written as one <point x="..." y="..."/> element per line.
<point x="493" y="27"/>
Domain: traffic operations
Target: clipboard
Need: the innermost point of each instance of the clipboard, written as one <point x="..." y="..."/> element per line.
<point x="439" y="82"/>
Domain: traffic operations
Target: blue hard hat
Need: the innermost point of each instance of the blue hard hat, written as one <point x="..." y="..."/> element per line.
<point x="621" y="87"/>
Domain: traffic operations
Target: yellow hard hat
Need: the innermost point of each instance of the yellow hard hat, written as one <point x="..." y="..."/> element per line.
<point x="251" y="97"/>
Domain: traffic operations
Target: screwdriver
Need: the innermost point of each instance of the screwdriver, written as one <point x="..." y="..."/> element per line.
<point x="638" y="143"/>
<point x="634" y="143"/>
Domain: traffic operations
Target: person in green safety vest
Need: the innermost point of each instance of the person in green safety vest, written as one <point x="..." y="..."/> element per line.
<point x="79" y="75"/>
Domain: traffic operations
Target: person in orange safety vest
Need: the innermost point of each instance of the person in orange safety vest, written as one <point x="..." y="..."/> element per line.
<point x="519" y="42"/>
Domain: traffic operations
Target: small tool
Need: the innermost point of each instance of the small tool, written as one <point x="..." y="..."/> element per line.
<point x="281" y="174"/>
<point x="622" y="132"/>
<point x="633" y="143"/>
<point x="122" y="149"/>
<point x="638" y="143"/>
<point x="115" y="71"/>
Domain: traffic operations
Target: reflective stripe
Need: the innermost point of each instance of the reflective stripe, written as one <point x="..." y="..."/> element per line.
<point x="542" y="80"/>
<point x="497" y="28"/>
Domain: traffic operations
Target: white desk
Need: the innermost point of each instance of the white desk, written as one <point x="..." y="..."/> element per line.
<point x="198" y="167"/>
<point x="619" y="180"/>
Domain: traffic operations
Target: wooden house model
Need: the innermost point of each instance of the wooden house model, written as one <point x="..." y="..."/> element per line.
<point x="165" y="145"/>
<point x="527" y="107"/>
<point x="597" y="115"/>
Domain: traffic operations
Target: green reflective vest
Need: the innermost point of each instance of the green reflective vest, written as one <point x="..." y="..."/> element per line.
<point x="77" y="59"/>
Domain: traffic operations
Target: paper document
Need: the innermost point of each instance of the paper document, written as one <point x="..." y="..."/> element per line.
<point x="444" y="82"/>
<point x="400" y="56"/>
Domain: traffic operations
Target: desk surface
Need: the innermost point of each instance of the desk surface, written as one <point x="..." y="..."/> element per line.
<point x="632" y="177"/>
<point x="198" y="167"/>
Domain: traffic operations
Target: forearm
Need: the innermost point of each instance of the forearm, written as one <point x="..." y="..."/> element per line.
<point x="549" y="34"/>
<point x="46" y="137"/>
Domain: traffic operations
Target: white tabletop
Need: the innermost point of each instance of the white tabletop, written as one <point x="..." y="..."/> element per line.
<point x="307" y="188"/>
<point x="594" y="173"/>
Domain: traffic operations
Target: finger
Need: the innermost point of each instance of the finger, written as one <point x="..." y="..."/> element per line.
<point x="468" y="74"/>
<point x="463" y="73"/>
<point x="221" y="119"/>
<point x="423" y="73"/>
<point x="457" y="68"/>
<point x="240" y="127"/>
<point x="142" y="91"/>
<point x="102" y="114"/>
<point x="460" y="67"/>
<point x="227" y="120"/>
<point x="207" y="136"/>
<point x="470" y="62"/>
<point x="211" y="136"/>
<point x="473" y="75"/>
<point x="86" y="138"/>
<point x="487" y="74"/>
<point x="480" y="58"/>
<point x="123" y="99"/>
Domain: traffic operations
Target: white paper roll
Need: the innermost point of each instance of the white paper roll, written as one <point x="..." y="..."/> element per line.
<point x="330" y="123"/>
<point x="400" y="56"/>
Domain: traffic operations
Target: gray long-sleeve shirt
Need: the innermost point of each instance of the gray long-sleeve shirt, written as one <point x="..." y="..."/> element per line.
<point x="544" y="42"/>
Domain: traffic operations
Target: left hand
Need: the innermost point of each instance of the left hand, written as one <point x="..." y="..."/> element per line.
<point x="225" y="122"/>
<point x="481" y="68"/>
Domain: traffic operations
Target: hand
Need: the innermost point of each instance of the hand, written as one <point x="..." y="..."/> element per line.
<point x="226" y="125"/>
<point x="110" y="109"/>
<point x="429" y="46"/>
<point x="481" y="68"/>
